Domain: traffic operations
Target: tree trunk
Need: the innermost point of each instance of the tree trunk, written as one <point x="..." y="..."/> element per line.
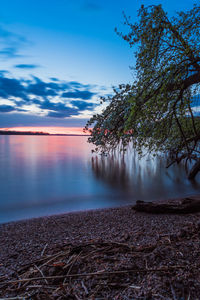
<point x="185" y="206"/>
<point x="195" y="169"/>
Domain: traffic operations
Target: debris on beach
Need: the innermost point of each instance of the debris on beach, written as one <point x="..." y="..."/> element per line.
<point x="167" y="268"/>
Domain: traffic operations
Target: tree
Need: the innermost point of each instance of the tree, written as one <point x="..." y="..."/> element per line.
<point x="156" y="111"/>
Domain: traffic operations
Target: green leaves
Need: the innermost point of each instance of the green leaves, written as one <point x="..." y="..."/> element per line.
<point x="155" y="111"/>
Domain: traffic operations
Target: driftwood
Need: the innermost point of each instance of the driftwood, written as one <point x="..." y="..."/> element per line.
<point x="185" y="206"/>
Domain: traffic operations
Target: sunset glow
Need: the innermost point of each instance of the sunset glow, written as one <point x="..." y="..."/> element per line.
<point x="51" y="130"/>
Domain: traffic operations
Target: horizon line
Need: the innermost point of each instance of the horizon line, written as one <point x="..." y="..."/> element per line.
<point x="50" y="130"/>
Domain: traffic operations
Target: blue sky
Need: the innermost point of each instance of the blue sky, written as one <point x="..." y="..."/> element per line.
<point x="58" y="57"/>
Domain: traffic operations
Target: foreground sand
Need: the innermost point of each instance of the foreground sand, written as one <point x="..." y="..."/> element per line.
<point x="160" y="251"/>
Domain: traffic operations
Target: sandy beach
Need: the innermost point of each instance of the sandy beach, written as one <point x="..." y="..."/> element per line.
<point x="159" y="255"/>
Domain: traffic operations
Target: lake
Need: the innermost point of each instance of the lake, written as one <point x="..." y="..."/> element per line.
<point x="44" y="175"/>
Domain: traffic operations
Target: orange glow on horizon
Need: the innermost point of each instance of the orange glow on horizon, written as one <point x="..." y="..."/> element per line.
<point x="51" y="130"/>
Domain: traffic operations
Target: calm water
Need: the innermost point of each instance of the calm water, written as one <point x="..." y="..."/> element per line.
<point x="43" y="175"/>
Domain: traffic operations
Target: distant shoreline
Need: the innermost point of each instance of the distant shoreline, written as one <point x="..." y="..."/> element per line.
<point x="2" y="132"/>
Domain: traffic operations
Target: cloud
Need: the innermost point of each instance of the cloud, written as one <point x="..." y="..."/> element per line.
<point x="4" y="72"/>
<point x="82" y="105"/>
<point x="91" y="7"/>
<point x="86" y="95"/>
<point x="78" y="85"/>
<point x="195" y="101"/>
<point x="61" y="114"/>
<point x="58" y="99"/>
<point x="41" y="88"/>
<point x="9" y="52"/>
<point x="195" y="110"/>
<point x="54" y="79"/>
<point x="19" y="119"/>
<point x="6" y="108"/>
<point x="26" y="66"/>
<point x="11" y="43"/>
<point x="14" y="37"/>
<point x="58" y="110"/>
<point x="10" y="87"/>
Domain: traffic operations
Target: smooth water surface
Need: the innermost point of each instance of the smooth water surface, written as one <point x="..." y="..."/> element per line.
<point x="43" y="175"/>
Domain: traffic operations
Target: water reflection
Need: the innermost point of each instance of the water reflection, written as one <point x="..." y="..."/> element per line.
<point x="112" y="171"/>
<point x="145" y="178"/>
<point x="43" y="175"/>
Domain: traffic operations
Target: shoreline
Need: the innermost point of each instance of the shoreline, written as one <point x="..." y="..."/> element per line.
<point x="26" y="241"/>
<point x="177" y="199"/>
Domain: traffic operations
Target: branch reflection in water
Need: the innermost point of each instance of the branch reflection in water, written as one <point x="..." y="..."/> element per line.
<point x="111" y="170"/>
<point x="145" y="178"/>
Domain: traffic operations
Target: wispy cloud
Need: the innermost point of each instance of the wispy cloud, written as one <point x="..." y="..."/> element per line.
<point x="11" y="43"/>
<point x="86" y="95"/>
<point x="26" y="66"/>
<point x="91" y="6"/>
<point x="9" y="52"/>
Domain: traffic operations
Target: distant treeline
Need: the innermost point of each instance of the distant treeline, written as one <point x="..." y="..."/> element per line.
<point x="10" y="132"/>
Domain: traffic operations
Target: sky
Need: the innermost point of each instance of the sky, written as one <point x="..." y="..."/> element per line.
<point x="57" y="58"/>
